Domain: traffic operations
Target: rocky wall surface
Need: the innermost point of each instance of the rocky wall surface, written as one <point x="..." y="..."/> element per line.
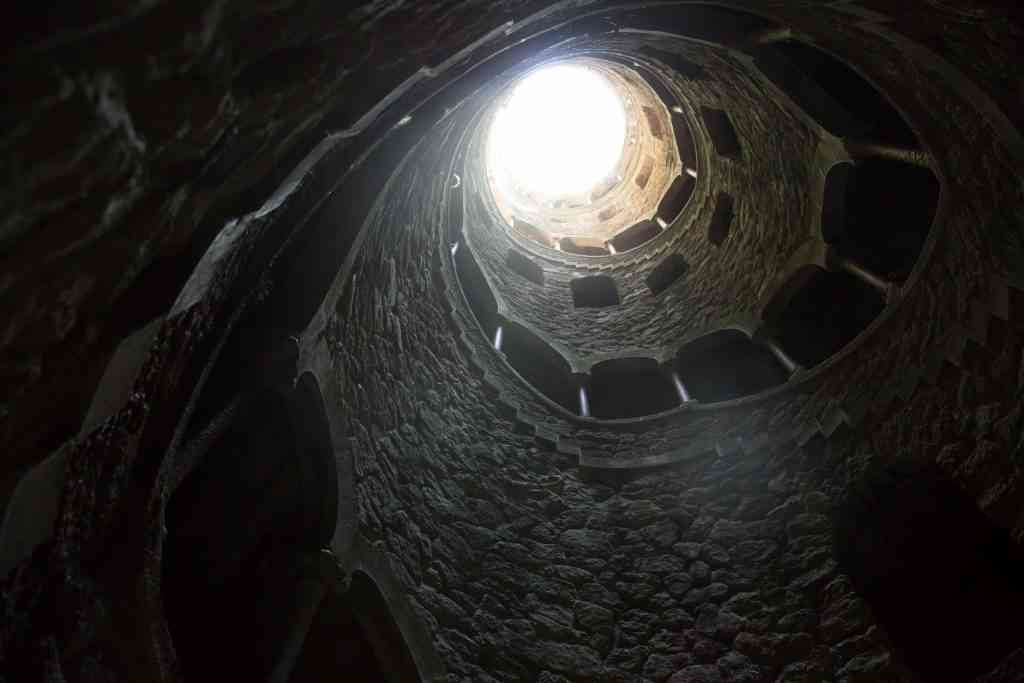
<point x="773" y="219"/>
<point x="525" y="569"/>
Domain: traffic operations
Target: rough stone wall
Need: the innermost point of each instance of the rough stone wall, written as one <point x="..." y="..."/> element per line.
<point x="723" y="569"/>
<point x="522" y="567"/>
<point x="436" y="468"/>
<point x="936" y="311"/>
<point x="135" y="131"/>
<point x="769" y="184"/>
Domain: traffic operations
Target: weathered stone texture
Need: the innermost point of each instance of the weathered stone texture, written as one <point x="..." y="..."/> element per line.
<point x="698" y="574"/>
<point x="134" y="132"/>
<point x="773" y="219"/>
<point x="523" y="564"/>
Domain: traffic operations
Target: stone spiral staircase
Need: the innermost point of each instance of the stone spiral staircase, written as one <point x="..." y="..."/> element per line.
<point x="985" y="333"/>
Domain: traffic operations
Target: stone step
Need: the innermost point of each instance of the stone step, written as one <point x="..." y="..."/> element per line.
<point x="964" y="348"/>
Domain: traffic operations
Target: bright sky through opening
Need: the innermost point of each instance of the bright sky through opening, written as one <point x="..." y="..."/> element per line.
<point x="560" y="133"/>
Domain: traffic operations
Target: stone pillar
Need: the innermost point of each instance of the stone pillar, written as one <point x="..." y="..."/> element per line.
<point x="582" y="381"/>
<point x="835" y="261"/>
<point x="684" y="395"/>
<point x="319" y="573"/>
<point x="677" y="381"/>
<point x="766" y="339"/>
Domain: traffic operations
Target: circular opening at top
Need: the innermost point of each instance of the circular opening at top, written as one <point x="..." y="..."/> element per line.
<point x="560" y="133"/>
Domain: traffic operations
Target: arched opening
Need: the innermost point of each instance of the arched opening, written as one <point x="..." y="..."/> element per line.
<point x="722" y="133"/>
<point x="630" y="387"/>
<point x="645" y="172"/>
<point x="727" y="364"/>
<point x="939" y="575"/>
<point x="597" y="291"/>
<point x="676" y="196"/>
<point x="832" y="93"/>
<point x="833" y="206"/>
<point x="355" y="637"/>
<point x="477" y="290"/>
<point x="261" y="498"/>
<point x="804" y="91"/>
<point x="530" y="232"/>
<point x="521" y="265"/>
<point x="539" y="364"/>
<point x="313" y="259"/>
<point x="721" y="219"/>
<point x="879" y="213"/>
<point x="315" y="451"/>
<point x="684" y="142"/>
<point x="653" y="122"/>
<point x="635" y="235"/>
<point x="671" y="268"/>
<point x="818" y="312"/>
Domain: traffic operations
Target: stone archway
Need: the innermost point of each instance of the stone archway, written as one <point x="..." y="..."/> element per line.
<point x="355" y="635"/>
<point x="240" y="526"/>
<point x="940" y="576"/>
